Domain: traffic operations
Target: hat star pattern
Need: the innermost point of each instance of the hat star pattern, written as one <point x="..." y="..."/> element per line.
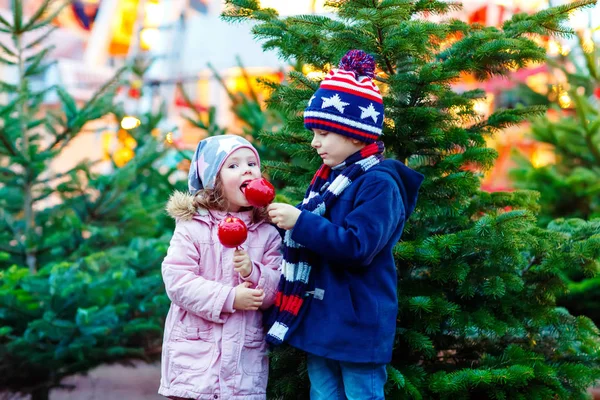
<point x="202" y="166"/>
<point x="226" y="145"/>
<point x="369" y="112"/>
<point x="334" y="101"/>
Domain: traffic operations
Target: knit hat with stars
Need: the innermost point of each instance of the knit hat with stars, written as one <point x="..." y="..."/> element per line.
<point x="210" y="156"/>
<point x="347" y="101"/>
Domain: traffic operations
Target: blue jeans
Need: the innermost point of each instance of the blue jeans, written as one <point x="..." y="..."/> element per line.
<point x="339" y="380"/>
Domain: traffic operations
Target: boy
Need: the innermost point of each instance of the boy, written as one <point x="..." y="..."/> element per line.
<point x="337" y="297"/>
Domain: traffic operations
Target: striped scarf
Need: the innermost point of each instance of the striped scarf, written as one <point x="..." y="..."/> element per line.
<point x="284" y="316"/>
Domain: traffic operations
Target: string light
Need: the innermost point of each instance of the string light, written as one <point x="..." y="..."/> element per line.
<point x="542" y="157"/>
<point x="564" y="100"/>
<point x="129" y="122"/>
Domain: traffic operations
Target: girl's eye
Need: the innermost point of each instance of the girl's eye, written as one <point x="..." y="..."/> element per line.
<point x="232" y="166"/>
<point x="252" y="164"/>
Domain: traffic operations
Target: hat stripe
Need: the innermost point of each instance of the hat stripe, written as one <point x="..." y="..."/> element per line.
<point x="350" y="77"/>
<point x="353" y="82"/>
<point x="325" y="123"/>
<point x="338" y="118"/>
<point x="352" y="89"/>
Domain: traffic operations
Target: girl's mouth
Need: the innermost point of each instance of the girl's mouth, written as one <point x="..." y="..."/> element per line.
<point x="243" y="186"/>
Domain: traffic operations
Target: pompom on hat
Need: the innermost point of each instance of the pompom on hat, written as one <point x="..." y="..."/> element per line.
<point x="348" y="102"/>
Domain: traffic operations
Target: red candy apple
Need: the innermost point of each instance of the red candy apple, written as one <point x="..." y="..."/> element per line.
<point x="232" y="232"/>
<point x="259" y="192"/>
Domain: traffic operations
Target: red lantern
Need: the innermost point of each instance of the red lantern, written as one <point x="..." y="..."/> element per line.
<point x="232" y="232"/>
<point x="597" y="92"/>
<point x="259" y="192"/>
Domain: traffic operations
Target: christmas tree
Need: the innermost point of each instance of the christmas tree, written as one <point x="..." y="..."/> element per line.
<point x="569" y="181"/>
<point x="477" y="278"/>
<point x="80" y="251"/>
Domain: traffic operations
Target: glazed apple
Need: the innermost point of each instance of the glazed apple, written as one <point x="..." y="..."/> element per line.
<point x="259" y="192"/>
<point x="232" y="232"/>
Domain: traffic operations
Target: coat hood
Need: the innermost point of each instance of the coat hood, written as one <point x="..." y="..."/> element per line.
<point x="408" y="180"/>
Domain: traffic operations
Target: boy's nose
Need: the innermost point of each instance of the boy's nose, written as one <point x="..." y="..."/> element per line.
<point x="314" y="143"/>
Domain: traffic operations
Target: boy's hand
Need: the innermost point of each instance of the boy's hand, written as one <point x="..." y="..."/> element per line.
<point x="247" y="299"/>
<point x="242" y="263"/>
<point x="283" y="215"/>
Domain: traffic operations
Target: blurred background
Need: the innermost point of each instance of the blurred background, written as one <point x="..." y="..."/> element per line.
<point x="210" y="59"/>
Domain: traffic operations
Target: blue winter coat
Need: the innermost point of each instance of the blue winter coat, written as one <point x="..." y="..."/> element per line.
<point x="352" y="316"/>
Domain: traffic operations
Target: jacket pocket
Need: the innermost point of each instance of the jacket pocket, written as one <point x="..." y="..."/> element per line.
<point x="254" y="357"/>
<point x="192" y="348"/>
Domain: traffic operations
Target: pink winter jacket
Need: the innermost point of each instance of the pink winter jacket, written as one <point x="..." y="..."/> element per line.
<point x="210" y="350"/>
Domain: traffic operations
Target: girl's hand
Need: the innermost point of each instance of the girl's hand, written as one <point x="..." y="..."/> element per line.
<point x="283" y="215"/>
<point x="247" y="299"/>
<point x="242" y="263"/>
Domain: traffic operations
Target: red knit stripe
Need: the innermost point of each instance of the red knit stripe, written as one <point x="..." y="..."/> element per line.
<point x="341" y="127"/>
<point x="349" y="77"/>
<point x="367" y="85"/>
<point x="322" y="172"/>
<point x="376" y="99"/>
<point x="278" y="299"/>
<point x="292" y="304"/>
<point x="368" y="151"/>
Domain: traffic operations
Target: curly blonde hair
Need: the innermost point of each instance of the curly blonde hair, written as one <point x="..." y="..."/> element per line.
<point x="214" y="199"/>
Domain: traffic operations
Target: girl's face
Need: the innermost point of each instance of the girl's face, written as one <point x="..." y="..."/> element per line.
<point x="238" y="169"/>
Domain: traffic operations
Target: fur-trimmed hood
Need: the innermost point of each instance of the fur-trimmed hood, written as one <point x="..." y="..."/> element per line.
<point x="181" y="206"/>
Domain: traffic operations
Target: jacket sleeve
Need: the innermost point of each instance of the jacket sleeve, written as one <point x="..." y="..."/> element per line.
<point x="267" y="272"/>
<point x="377" y="211"/>
<point x="191" y="292"/>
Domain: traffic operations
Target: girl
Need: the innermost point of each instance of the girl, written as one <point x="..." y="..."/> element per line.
<point x="214" y="344"/>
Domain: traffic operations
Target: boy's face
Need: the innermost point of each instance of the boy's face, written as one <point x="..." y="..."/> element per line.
<point x="334" y="148"/>
<point x="238" y="169"/>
